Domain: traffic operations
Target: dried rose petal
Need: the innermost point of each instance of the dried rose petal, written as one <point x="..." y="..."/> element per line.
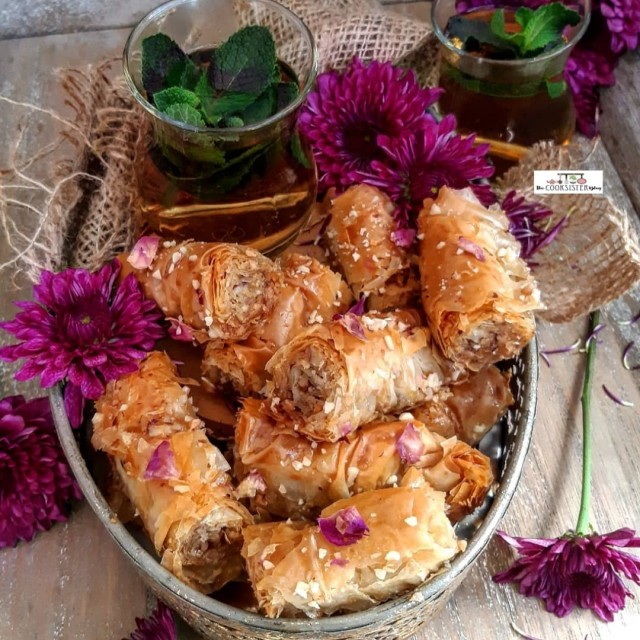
<point x="403" y="237"/>
<point x="471" y="247"/>
<point x="143" y="252"/>
<point x="409" y="445"/>
<point x="339" y="562"/>
<point x="162" y="464"/>
<point x="251" y="485"/>
<point x="180" y="331"/>
<point x="344" y="527"/>
<point x="353" y="325"/>
<point x="358" y="308"/>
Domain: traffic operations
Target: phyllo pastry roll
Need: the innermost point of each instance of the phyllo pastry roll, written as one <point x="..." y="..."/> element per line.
<point x="360" y="237"/>
<point x="312" y="293"/>
<point x="470" y="408"/>
<point x="218" y="291"/>
<point x="299" y="477"/>
<point x="176" y="479"/>
<point x="337" y="376"/>
<point x="365" y="550"/>
<point x="478" y="294"/>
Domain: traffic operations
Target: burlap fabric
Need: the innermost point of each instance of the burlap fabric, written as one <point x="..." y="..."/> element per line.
<point x="85" y="213"/>
<point x="346" y="28"/>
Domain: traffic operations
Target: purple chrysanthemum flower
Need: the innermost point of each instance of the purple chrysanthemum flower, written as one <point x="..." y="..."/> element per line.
<point x="160" y="625"/>
<point x="575" y="571"/>
<point x="36" y="483"/>
<point x="484" y="193"/>
<point x="85" y="328"/>
<point x="347" y="113"/>
<point x="419" y="161"/>
<point x="531" y="223"/>
<point x="623" y="22"/>
<point x="586" y="71"/>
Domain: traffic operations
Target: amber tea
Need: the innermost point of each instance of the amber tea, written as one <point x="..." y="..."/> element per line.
<point x="510" y="101"/>
<point x="260" y="196"/>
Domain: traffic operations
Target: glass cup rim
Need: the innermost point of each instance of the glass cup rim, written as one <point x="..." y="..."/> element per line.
<point x="550" y="55"/>
<point x="166" y="8"/>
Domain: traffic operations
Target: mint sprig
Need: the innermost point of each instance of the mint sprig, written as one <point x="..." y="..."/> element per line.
<point x="175" y="95"/>
<point x="239" y="84"/>
<point x="541" y="29"/>
<point x="246" y="62"/>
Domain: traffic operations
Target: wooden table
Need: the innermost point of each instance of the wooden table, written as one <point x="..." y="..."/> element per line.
<point x="72" y="583"/>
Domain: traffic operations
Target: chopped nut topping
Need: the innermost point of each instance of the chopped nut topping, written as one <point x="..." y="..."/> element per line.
<point x="302" y="590"/>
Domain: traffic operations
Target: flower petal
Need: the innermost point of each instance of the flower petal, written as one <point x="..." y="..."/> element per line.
<point x="344" y="527"/>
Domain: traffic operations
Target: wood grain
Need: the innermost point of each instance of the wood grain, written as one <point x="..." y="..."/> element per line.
<point x="72" y="583"/>
<point x="620" y="124"/>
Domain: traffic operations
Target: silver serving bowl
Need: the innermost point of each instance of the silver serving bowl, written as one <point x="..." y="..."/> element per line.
<point x="506" y="444"/>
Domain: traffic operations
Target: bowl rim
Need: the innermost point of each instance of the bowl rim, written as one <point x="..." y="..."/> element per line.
<point x="148" y="565"/>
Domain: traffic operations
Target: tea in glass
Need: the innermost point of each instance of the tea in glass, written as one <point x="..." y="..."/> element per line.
<point x="249" y="183"/>
<point x="510" y="102"/>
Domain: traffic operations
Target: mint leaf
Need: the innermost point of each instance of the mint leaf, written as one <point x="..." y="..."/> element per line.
<point x="161" y="56"/>
<point x="246" y="62"/>
<point x="262" y="108"/>
<point x="234" y="122"/>
<point x="498" y="28"/>
<point x="545" y="26"/>
<point x="185" y="113"/>
<point x="175" y="95"/>
<point x="270" y="101"/>
<point x="286" y="93"/>
<point x="556" y="89"/>
<point x="523" y="15"/>
<point x="185" y="75"/>
<point x="298" y="152"/>
<point x="215" y="108"/>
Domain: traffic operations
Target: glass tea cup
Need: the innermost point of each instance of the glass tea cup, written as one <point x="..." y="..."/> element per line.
<point x="511" y="104"/>
<point x="252" y="184"/>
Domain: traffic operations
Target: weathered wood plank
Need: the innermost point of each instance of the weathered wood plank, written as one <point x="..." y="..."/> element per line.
<point x="20" y="19"/>
<point x="620" y="124"/>
<point x="72" y="582"/>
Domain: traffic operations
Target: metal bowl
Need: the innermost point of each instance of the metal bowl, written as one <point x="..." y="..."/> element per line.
<point x="507" y="444"/>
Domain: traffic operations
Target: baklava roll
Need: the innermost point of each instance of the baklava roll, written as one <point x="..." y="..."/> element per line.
<point x="312" y="293"/>
<point x="365" y="550"/>
<point x="360" y="238"/>
<point x="469" y="409"/>
<point x="478" y="294"/>
<point x="334" y="377"/>
<point x="217" y="291"/>
<point x="464" y="475"/>
<point x="300" y="477"/>
<point x="175" y="478"/>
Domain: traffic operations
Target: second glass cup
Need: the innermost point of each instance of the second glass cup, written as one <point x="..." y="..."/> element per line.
<point x="511" y="104"/>
<point x="251" y="184"/>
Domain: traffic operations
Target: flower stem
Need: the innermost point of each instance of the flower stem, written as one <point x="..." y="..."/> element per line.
<point x="582" y="528"/>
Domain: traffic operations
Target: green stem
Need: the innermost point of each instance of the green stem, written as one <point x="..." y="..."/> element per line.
<point x="582" y="528"/>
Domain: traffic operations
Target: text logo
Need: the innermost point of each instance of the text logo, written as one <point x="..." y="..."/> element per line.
<point x="587" y="182"/>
